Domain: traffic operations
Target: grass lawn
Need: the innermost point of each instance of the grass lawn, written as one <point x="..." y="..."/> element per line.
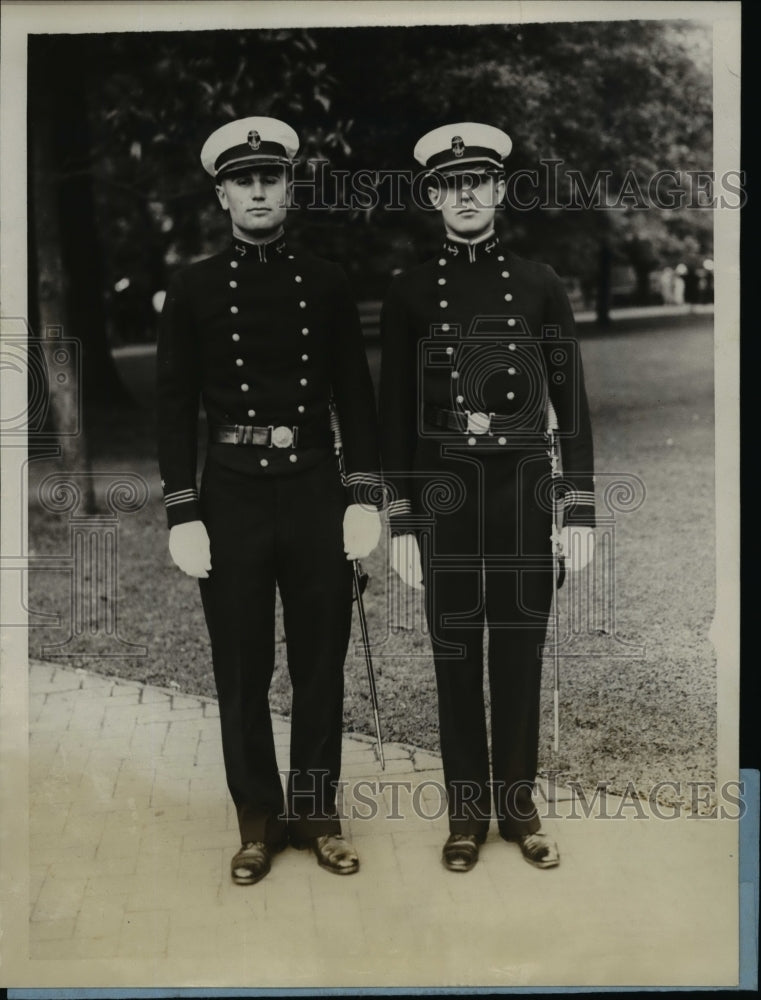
<point x="637" y="686"/>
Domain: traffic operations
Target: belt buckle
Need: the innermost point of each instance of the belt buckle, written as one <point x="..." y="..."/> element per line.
<point x="478" y="423"/>
<point x="281" y="437"/>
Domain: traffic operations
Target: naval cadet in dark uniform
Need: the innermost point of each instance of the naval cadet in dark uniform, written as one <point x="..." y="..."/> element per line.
<point x="266" y="336"/>
<point x="476" y="343"/>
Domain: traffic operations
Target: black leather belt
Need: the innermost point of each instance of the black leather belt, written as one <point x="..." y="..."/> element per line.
<point x="465" y="422"/>
<point x="448" y="419"/>
<point x="266" y="437"/>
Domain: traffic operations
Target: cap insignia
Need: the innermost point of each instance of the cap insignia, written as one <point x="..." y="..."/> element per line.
<point x="458" y="146"/>
<point x="254" y="139"/>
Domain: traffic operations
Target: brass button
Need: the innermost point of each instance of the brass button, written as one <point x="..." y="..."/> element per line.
<point x="301" y="409"/>
<point x="511" y="395"/>
<point x="450" y="350"/>
<point x="239" y="362"/>
<point x="442" y="261"/>
<point x="302" y="304"/>
<point x="233" y="263"/>
<point x="502" y="440"/>
<point x="244" y="386"/>
<point x="508" y="297"/>
<point x="443" y="303"/>
<point x="252" y="413"/>
<point x="445" y="327"/>
<point x="455" y="374"/>
<point x="511" y="371"/>
<point x="442" y="281"/>
<point x="233" y="309"/>
<point x="305" y="330"/>
<point x="511" y="322"/>
<point x="293" y="458"/>
<point x="305" y="357"/>
<point x="505" y="274"/>
<point x="236" y="337"/>
<point x="303" y="381"/>
<point x="297" y="278"/>
<point x="233" y="284"/>
<point x="264" y="463"/>
<point x="471" y="440"/>
<point x="511" y="347"/>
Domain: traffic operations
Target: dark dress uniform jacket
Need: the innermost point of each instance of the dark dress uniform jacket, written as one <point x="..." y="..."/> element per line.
<point x="479" y="330"/>
<point x="266" y="337"/>
<point x="486" y="293"/>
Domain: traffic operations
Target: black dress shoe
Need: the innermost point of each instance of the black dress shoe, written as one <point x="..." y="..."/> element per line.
<point x="333" y="853"/>
<point x="460" y="852"/>
<point x="252" y="862"/>
<point x="539" y="850"/>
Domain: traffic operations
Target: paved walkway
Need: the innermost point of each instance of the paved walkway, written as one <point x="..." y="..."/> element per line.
<point x="131" y="834"/>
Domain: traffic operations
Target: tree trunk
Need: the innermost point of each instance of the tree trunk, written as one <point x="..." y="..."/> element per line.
<point x="61" y="355"/>
<point x="58" y="97"/>
<point x="604" y="283"/>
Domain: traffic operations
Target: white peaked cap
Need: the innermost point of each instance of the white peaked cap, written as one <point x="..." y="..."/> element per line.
<point x="462" y="146"/>
<point x="248" y="142"/>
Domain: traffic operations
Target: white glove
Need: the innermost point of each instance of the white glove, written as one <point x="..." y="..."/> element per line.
<point x="577" y="545"/>
<point x="189" y="548"/>
<point x="362" y="528"/>
<point x="405" y="560"/>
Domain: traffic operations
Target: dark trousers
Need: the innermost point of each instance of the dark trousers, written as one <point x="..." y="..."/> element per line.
<point x="487" y="566"/>
<point x="287" y="532"/>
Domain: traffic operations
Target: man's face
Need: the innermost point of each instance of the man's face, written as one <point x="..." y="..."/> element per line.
<point x="468" y="202"/>
<point x="256" y="199"/>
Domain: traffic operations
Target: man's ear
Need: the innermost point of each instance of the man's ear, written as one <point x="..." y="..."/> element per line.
<point x="222" y="195"/>
<point x="434" y="193"/>
<point x="500" y="186"/>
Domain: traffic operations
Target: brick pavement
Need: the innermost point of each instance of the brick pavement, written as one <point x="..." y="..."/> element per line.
<point x="132" y="830"/>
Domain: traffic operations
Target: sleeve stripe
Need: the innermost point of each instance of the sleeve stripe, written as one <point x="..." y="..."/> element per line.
<point x="181" y="496"/>
<point x="397" y="507"/>
<point x="579" y="497"/>
<point x="362" y="479"/>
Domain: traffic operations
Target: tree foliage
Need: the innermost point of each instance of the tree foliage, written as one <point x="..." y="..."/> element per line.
<point x="630" y="98"/>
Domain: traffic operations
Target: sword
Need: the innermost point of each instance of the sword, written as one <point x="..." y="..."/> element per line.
<point x="360" y="582"/>
<point x="368" y="661"/>
<point x="558" y="564"/>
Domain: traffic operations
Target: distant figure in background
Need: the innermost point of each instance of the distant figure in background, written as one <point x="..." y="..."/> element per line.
<point x="266" y="336"/>
<point x="666" y="282"/>
<point x="691" y="286"/>
<point x="466" y="377"/>
<point x="679" y="284"/>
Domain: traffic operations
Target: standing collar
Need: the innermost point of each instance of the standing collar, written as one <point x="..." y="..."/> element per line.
<point x="472" y="250"/>
<point x="262" y="252"/>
